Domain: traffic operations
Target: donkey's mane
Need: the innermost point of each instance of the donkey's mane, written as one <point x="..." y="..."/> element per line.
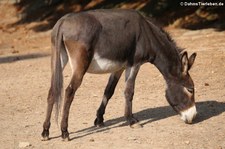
<point x="179" y="50"/>
<point x="163" y="32"/>
<point x="167" y="49"/>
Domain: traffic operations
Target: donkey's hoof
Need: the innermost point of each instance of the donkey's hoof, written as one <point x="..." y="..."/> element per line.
<point x="65" y="136"/>
<point x="45" y="135"/>
<point x="132" y="121"/>
<point x="44" y="138"/>
<point x="66" y="139"/>
<point x="99" y="123"/>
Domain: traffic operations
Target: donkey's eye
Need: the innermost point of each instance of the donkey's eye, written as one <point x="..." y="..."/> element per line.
<point x="191" y="90"/>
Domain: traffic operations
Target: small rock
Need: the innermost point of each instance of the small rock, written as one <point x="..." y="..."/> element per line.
<point x="26" y="126"/>
<point x="206" y="84"/>
<point x="91" y="140"/>
<point x="136" y="125"/>
<point x="24" y="144"/>
<point x="187" y="142"/>
<point x="137" y="141"/>
<point x="131" y="138"/>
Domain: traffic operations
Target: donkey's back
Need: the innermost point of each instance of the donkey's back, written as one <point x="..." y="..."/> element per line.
<point x="111" y="37"/>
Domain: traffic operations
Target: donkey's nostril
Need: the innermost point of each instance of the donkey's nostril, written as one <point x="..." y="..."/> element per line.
<point x="188" y="115"/>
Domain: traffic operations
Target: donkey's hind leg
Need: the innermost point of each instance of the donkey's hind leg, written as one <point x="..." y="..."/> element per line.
<point x="46" y="125"/>
<point x="109" y="90"/>
<point x="79" y="60"/>
<point x="50" y="99"/>
<point x="69" y="95"/>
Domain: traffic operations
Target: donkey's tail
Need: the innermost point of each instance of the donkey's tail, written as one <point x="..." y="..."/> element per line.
<point x="56" y="65"/>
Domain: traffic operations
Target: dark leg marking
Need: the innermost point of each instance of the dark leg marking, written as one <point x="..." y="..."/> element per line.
<point x="109" y="91"/>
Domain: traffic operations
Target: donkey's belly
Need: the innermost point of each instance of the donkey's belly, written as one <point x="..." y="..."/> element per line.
<point x="101" y="65"/>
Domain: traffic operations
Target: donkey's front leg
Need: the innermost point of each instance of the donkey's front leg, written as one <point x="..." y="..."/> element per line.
<point x="109" y="90"/>
<point x="131" y="74"/>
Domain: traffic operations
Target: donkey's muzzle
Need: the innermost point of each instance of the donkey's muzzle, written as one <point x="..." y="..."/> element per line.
<point x="188" y="115"/>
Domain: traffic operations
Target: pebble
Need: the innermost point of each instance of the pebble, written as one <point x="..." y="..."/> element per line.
<point x="206" y="84"/>
<point x="137" y="141"/>
<point x="134" y="139"/>
<point x="136" y="125"/>
<point x="131" y="138"/>
<point x="24" y="144"/>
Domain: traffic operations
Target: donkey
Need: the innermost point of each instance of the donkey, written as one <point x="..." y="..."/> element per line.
<point x="111" y="41"/>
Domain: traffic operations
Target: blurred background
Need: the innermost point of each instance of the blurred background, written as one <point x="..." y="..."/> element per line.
<point x="166" y="12"/>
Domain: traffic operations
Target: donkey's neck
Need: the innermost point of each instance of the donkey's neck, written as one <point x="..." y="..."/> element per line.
<point x="167" y="58"/>
<point x="168" y="64"/>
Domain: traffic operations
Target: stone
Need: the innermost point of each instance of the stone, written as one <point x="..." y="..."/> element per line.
<point x="24" y="144"/>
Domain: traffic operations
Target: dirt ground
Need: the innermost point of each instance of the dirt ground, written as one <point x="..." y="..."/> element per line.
<point x="25" y="80"/>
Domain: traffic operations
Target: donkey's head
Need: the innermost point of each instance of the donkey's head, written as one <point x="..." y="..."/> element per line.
<point x="180" y="90"/>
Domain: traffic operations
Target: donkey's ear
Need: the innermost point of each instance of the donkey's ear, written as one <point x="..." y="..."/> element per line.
<point x="191" y="60"/>
<point x="184" y="61"/>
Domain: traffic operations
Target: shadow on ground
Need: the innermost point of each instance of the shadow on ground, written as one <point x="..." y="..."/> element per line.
<point x="206" y="110"/>
<point x="14" y="58"/>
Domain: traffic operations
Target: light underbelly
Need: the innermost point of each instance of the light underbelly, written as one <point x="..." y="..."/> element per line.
<point x="100" y="65"/>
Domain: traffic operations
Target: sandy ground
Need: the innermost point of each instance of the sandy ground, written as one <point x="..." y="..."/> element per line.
<point x="25" y="80"/>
